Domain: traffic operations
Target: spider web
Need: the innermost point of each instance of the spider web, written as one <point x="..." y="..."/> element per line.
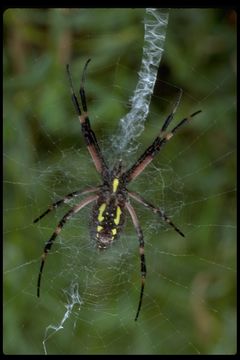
<point x="89" y="300"/>
<point x="132" y="124"/>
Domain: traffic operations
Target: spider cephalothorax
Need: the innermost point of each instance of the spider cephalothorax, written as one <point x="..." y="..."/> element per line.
<point x="111" y="200"/>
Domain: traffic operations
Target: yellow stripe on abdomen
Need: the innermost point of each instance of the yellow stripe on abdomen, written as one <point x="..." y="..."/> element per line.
<point x="118" y="214"/>
<point x="101" y="211"/>
<point x="114" y="232"/>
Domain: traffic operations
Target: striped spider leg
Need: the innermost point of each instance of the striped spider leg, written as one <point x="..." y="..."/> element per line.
<point x="141" y="253"/>
<point x="88" y="134"/>
<point x="149" y="154"/>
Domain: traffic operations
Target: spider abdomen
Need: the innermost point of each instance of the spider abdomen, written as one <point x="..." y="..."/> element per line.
<point x="108" y="219"/>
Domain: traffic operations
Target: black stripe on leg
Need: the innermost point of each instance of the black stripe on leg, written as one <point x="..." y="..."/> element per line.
<point x="167" y="122"/>
<point x="82" y="91"/>
<point x="91" y="140"/>
<point x="172" y="224"/>
<point x="74" y="98"/>
<point x="41" y="216"/>
<point x="88" y="134"/>
<point x="40" y="273"/>
<point x="143" y="266"/>
<point x="140" y="299"/>
<point x="76" y="105"/>
<point x="185" y="120"/>
<point x="143" y="273"/>
<point x="83" y="99"/>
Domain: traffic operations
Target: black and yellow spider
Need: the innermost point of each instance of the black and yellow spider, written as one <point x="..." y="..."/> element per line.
<point x="112" y="198"/>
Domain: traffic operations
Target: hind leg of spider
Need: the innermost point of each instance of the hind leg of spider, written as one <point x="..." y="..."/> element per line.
<point x="57" y="231"/>
<point x="156" y="210"/>
<point x="65" y="200"/>
<point x="141" y="253"/>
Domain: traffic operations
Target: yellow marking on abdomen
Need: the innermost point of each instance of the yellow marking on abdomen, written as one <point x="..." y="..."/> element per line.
<point x="114" y="231"/>
<point x="118" y="214"/>
<point x="101" y="211"/>
<point x="115" y="184"/>
<point x="99" y="228"/>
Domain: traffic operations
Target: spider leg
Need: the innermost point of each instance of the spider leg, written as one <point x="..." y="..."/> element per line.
<point x="57" y="231"/>
<point x="170" y="116"/>
<point x="156" y="210"/>
<point x="141" y="252"/>
<point x="82" y="90"/>
<point x="88" y="133"/>
<point x="65" y="200"/>
<point x="147" y="157"/>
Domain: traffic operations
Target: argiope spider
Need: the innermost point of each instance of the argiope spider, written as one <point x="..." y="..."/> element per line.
<point x="111" y="199"/>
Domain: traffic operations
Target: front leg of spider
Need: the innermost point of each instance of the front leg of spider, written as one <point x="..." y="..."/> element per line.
<point x="150" y="153"/>
<point x="87" y="131"/>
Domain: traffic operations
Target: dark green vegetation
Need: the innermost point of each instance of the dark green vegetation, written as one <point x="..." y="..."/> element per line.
<point x="189" y="304"/>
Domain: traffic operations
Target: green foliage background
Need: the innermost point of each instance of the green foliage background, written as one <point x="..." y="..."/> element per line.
<point x="190" y="302"/>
